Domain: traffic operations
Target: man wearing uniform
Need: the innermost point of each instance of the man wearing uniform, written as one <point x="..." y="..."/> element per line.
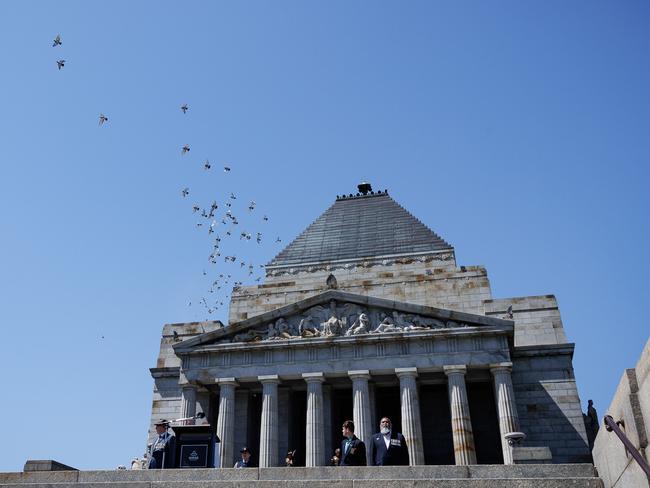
<point x="163" y="450"/>
<point x="245" y="461"/>
<point x="387" y="448"/>
<point x="353" y="450"/>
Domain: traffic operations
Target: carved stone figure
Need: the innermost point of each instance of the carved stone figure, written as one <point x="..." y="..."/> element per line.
<point x="278" y="331"/>
<point x="331" y="282"/>
<point x="360" y="326"/>
<point x="307" y="328"/>
<point x="331" y="327"/>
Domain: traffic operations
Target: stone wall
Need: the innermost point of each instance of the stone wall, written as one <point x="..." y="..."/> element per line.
<point x="537" y="319"/>
<point x="463" y="289"/>
<point x="548" y="403"/>
<point x="631" y="404"/>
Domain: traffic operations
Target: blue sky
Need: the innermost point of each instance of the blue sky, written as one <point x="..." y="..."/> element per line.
<point x="518" y="131"/>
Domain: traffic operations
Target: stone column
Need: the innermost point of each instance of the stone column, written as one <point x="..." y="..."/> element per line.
<point x="361" y="404"/>
<point x="226" y="421"/>
<point x="327" y="424"/>
<point x="315" y="435"/>
<point x="461" y="423"/>
<point x="269" y="422"/>
<point x="411" y="425"/>
<point x="506" y="406"/>
<point x="188" y="401"/>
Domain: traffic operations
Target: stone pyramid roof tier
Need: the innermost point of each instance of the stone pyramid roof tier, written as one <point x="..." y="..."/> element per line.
<point x="359" y="227"/>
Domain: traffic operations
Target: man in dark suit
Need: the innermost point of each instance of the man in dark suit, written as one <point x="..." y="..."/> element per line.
<point x="353" y="450"/>
<point x="163" y="450"/>
<point x="387" y="448"/>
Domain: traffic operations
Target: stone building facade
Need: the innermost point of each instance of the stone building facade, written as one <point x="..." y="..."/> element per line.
<point x="366" y="314"/>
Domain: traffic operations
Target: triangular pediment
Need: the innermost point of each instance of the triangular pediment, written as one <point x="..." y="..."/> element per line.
<point x="335" y="313"/>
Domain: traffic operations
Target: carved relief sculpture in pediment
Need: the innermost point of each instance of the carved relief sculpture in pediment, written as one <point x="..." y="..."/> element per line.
<point x="347" y="319"/>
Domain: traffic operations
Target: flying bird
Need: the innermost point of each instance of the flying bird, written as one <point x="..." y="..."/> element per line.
<point x="186" y="149"/>
<point x="232" y="195"/>
<point x="102" y="119"/>
<point x="266" y="219"/>
<point x="60" y="63"/>
<point x="251" y="206"/>
<point x="509" y="313"/>
<point x="185" y="192"/>
<point x="195" y="208"/>
<point x="226" y="169"/>
<point x="206" y="165"/>
<point x="184" y="108"/>
<point x="278" y="240"/>
<point x="57" y="41"/>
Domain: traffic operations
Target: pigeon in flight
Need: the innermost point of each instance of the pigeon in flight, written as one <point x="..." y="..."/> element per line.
<point x="226" y="169"/>
<point x="60" y="63"/>
<point x="57" y="41"/>
<point x="509" y="313"/>
<point x="259" y="237"/>
<point x="232" y="195"/>
<point x="195" y="208"/>
<point x="206" y="165"/>
<point x="102" y="119"/>
<point x="266" y="219"/>
<point x="278" y="240"/>
<point x="251" y="206"/>
<point x="185" y="192"/>
<point x="184" y="108"/>
<point x="186" y="149"/>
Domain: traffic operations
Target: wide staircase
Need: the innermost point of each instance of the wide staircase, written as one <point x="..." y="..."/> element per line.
<point x="478" y="476"/>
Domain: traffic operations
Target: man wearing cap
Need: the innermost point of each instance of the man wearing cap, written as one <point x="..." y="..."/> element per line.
<point x="353" y="450"/>
<point x="163" y="450"/>
<point x="245" y="461"/>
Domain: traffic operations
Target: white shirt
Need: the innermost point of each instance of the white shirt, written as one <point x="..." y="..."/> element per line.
<point x="387" y="440"/>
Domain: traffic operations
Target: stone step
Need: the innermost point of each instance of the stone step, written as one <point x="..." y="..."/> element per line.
<point x="437" y="483"/>
<point x="478" y="476"/>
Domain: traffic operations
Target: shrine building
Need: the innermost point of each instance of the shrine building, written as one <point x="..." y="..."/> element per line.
<point x="366" y="314"/>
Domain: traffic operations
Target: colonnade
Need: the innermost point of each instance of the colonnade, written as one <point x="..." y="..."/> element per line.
<point x="463" y="438"/>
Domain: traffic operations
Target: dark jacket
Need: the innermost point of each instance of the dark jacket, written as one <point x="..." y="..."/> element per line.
<point x="397" y="453"/>
<point x="356" y="454"/>
<point x="164" y="447"/>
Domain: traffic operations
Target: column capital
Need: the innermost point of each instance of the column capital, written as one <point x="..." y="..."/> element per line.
<point x="313" y="377"/>
<point x="359" y="373"/>
<point x="226" y="381"/>
<point x="269" y="378"/>
<point x="455" y="369"/>
<point x="406" y="372"/>
<point x="505" y="367"/>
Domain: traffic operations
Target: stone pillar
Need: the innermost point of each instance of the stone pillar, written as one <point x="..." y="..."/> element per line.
<point x="506" y="406"/>
<point x="269" y="422"/>
<point x="361" y="404"/>
<point x="226" y="421"/>
<point x="283" y="420"/>
<point x="411" y="425"/>
<point x="461" y="423"/>
<point x="188" y="401"/>
<point x="315" y="435"/>
<point x="327" y="420"/>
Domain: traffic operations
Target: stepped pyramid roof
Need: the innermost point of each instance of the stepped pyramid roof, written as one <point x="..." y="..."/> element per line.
<point x="360" y="226"/>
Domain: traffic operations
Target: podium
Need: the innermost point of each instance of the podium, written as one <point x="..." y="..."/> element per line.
<point x="197" y="446"/>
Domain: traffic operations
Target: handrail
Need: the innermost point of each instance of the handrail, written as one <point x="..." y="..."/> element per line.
<point x="612" y="425"/>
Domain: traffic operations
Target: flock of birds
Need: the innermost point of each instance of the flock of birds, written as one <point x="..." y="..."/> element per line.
<point x="222" y="224"/>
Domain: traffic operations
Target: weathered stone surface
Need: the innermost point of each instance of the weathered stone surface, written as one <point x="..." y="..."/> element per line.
<point x="46" y="465"/>
<point x="630" y="404"/>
